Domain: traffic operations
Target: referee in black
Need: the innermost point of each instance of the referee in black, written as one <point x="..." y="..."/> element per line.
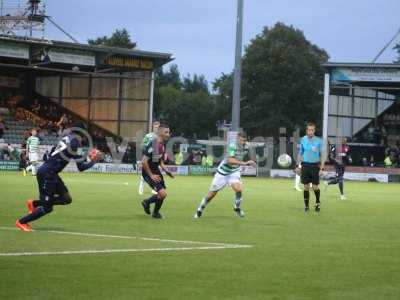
<point x="312" y="160"/>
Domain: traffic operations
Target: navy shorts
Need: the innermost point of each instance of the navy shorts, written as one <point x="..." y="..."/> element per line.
<point x="50" y="186"/>
<point x="339" y="168"/>
<point x="156" y="186"/>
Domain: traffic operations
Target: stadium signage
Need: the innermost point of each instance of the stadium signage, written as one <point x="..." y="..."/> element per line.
<point x="366" y="74"/>
<point x="103" y="168"/>
<point x="15" y="50"/>
<point x="9" y="81"/>
<point x="129" y="62"/>
<point x="70" y="57"/>
<point x="6" y="165"/>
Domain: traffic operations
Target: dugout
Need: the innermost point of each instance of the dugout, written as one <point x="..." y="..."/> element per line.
<point x="109" y="87"/>
<point x="362" y="103"/>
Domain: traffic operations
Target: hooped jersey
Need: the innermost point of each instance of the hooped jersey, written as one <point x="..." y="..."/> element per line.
<point x="239" y="152"/>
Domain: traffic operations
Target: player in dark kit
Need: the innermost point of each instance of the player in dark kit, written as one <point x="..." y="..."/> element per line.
<point x="52" y="189"/>
<point x="339" y="156"/>
<point x="152" y="161"/>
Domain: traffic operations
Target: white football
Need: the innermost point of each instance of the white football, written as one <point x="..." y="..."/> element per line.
<point x="284" y="161"/>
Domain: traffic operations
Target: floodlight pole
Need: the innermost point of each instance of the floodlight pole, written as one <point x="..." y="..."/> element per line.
<point x="238" y="69"/>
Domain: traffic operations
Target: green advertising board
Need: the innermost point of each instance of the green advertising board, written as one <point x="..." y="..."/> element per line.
<point x="9" y="165"/>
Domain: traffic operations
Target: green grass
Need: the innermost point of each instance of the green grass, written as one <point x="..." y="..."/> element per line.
<point x="349" y="251"/>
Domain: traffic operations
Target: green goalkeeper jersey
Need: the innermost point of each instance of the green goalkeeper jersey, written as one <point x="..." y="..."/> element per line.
<point x="33" y="143"/>
<point x="239" y="152"/>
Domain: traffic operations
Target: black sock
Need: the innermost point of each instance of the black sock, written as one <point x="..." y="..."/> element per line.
<point x="157" y="207"/>
<point x="306" y="198"/>
<point x="152" y="199"/>
<point x="341" y="187"/>
<point x="36" y="214"/>
<point x="317" y="194"/>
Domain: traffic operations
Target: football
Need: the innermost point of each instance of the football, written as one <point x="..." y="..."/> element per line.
<point x="284" y="161"/>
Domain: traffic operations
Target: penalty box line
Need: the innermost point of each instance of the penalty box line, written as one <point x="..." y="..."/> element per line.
<point x="212" y="245"/>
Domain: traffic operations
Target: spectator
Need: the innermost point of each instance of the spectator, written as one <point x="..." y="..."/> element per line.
<point x="210" y="160"/>
<point x="388" y="162"/>
<point x="2" y="128"/>
<point x="204" y="160"/>
<point x="372" y="161"/>
<point x="179" y="158"/>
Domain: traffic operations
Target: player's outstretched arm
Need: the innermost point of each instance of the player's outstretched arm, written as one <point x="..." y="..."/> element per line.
<point x="94" y="158"/>
<point x="235" y="161"/>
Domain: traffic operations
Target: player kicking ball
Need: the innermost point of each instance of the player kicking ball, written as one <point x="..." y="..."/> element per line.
<point x="152" y="161"/>
<point x="52" y="189"/>
<point x="228" y="173"/>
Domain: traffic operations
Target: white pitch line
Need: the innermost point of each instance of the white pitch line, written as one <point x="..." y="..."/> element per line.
<point x="109" y="251"/>
<point x="134" y="237"/>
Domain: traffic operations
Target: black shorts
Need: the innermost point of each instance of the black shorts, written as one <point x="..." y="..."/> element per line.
<point x="310" y="173"/>
<point x="50" y="186"/>
<point x="340" y="168"/>
<point x="157" y="186"/>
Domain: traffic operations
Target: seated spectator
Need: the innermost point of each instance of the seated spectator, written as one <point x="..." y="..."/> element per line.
<point x="372" y="161"/>
<point x="2" y="128"/>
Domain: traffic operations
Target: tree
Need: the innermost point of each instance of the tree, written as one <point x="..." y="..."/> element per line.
<point x="281" y="81"/>
<point x="119" y="38"/>
<point x="171" y="77"/>
<point x="197" y="84"/>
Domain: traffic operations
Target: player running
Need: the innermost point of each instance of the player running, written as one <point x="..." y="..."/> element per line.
<point x="148" y="138"/>
<point x="152" y="161"/>
<point x="339" y="156"/>
<point x="52" y="189"/>
<point x="312" y="163"/>
<point x="228" y="173"/>
<point x="32" y="148"/>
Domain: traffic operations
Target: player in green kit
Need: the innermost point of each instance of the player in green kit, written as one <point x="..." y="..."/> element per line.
<point x="148" y="138"/>
<point x="228" y="173"/>
<point x="32" y="148"/>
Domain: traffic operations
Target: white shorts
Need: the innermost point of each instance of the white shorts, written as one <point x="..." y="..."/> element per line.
<point x="33" y="157"/>
<point x="220" y="181"/>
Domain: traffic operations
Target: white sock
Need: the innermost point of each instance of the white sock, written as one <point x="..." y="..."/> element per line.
<point x="238" y="199"/>
<point x="141" y="186"/>
<point x="33" y="170"/>
<point x="297" y="181"/>
<point x="203" y="204"/>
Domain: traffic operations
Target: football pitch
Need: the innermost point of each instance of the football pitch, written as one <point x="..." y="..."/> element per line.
<point x="103" y="246"/>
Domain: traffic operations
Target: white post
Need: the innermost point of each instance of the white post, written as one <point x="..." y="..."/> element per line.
<point x="151" y="104"/>
<point x="326" y="110"/>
